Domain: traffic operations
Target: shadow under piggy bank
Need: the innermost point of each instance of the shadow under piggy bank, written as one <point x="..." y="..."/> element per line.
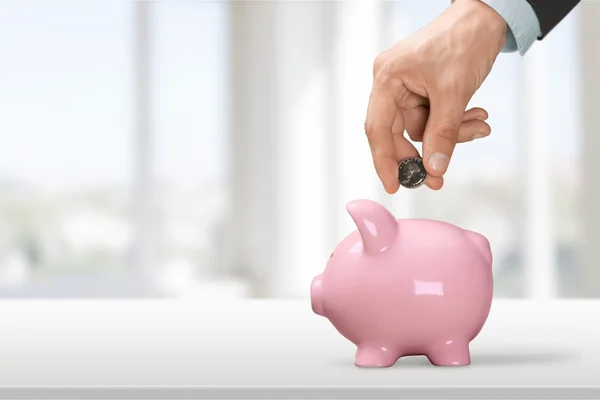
<point x="497" y="358"/>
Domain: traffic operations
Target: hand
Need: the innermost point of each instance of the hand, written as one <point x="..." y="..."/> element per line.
<point x="423" y="85"/>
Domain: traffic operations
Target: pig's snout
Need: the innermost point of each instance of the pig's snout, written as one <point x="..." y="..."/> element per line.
<point x="316" y="295"/>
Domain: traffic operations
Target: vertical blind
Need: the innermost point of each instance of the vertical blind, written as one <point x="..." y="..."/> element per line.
<point x="319" y="80"/>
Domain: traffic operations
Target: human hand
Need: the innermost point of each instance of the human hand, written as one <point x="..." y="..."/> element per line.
<point x="423" y="85"/>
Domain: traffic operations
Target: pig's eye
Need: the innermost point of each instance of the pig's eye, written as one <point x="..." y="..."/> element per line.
<point x="331" y="255"/>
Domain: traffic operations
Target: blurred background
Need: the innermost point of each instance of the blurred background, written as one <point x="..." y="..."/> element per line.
<point x="208" y="148"/>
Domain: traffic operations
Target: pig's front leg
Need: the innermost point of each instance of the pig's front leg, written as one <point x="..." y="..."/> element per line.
<point x="450" y="353"/>
<point x="375" y="356"/>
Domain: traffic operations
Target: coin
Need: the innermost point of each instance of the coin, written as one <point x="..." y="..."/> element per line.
<point x="411" y="172"/>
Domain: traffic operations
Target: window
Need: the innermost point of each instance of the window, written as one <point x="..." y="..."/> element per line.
<point x="508" y="186"/>
<point x="65" y="204"/>
<point x="113" y="158"/>
<point x="189" y="113"/>
<point x="209" y="148"/>
<point x="484" y="189"/>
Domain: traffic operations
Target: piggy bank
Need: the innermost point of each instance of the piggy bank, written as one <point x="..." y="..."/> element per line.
<point x="405" y="287"/>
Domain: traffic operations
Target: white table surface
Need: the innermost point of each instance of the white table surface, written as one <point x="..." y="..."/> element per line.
<point x="279" y="349"/>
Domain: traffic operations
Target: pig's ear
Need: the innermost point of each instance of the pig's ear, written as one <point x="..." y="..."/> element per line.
<point x="376" y="225"/>
<point x="482" y="244"/>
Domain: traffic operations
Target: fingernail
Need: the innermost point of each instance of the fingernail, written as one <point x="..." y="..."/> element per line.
<point x="478" y="136"/>
<point x="438" y="161"/>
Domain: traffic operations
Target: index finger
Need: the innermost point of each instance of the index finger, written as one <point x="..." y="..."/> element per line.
<point x="381" y="113"/>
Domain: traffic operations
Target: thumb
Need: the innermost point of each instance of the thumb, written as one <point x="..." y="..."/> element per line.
<point x="441" y="133"/>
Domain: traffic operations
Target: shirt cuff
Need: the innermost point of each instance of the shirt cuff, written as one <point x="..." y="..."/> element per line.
<point x="523" y="24"/>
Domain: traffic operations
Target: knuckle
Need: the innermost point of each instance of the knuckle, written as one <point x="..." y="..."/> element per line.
<point x="378" y="64"/>
<point x="415" y="137"/>
<point x="446" y="132"/>
<point x="379" y="153"/>
<point x="404" y="98"/>
<point x="449" y="82"/>
<point x="368" y="128"/>
<point x="448" y="85"/>
<point x="376" y="152"/>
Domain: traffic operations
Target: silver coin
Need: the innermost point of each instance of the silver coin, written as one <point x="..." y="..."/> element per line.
<point x="411" y="173"/>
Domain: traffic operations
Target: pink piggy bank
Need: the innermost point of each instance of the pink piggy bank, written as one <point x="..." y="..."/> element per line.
<point x="408" y="287"/>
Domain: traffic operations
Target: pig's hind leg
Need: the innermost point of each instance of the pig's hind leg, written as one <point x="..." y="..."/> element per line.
<point x="450" y="353"/>
<point x="375" y="356"/>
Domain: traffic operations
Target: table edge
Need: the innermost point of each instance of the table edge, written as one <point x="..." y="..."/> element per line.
<point x="268" y="393"/>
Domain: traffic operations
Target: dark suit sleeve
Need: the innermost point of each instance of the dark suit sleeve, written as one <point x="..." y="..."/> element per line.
<point x="551" y="12"/>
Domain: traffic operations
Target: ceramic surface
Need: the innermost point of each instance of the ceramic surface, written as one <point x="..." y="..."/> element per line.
<point x="400" y="287"/>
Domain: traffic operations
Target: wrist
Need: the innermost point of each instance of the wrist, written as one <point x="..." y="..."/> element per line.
<point x="485" y="20"/>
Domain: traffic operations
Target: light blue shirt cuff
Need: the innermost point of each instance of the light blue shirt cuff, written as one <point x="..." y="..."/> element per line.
<point x="523" y="24"/>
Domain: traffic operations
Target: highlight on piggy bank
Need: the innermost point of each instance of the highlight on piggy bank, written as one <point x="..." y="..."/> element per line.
<point x="404" y="287"/>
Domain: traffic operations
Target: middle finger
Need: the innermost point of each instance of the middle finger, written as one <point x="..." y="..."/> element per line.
<point x="473" y="125"/>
